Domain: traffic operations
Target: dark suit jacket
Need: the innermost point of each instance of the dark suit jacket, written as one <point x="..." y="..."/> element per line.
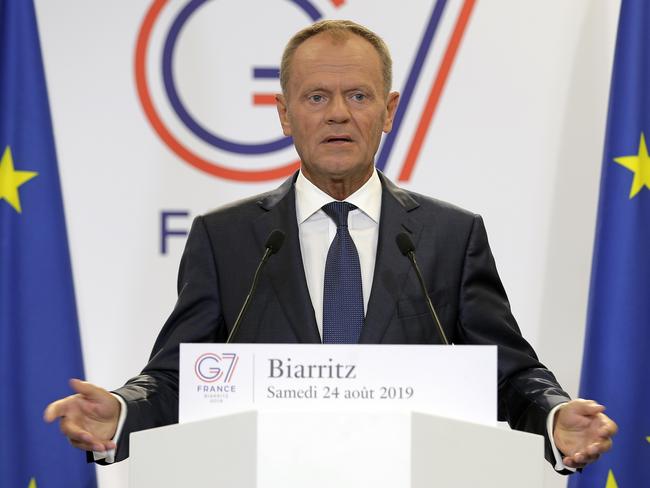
<point x="224" y="248"/>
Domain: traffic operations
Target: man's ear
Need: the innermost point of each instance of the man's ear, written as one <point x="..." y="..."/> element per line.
<point x="391" y="108"/>
<point x="283" y="113"/>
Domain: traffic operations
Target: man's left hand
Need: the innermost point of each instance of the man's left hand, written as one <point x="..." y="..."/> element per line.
<point x="582" y="432"/>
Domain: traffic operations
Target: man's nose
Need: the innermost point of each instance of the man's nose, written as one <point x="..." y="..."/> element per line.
<point x="338" y="110"/>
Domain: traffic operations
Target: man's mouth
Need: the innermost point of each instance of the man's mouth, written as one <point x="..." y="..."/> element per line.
<point x="339" y="139"/>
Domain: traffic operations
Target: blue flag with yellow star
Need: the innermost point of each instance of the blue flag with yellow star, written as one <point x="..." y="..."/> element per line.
<point x="39" y="336"/>
<point x="616" y="364"/>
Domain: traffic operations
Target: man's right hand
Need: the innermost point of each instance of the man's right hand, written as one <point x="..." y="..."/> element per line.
<point x="89" y="418"/>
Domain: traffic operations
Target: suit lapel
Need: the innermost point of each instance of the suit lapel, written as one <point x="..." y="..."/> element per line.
<point x="288" y="275"/>
<point x="286" y="268"/>
<point x="391" y="267"/>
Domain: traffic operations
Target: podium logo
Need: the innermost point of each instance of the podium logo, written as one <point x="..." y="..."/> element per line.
<point x="212" y="368"/>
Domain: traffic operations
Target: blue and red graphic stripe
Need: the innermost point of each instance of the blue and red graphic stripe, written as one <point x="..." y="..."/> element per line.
<point x="260" y="98"/>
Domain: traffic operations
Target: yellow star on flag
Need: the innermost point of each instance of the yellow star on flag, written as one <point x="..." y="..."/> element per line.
<point x="611" y="481"/>
<point x="639" y="165"/>
<point x="32" y="483"/>
<point x="10" y="180"/>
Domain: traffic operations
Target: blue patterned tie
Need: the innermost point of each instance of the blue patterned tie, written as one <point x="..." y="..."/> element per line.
<point x="342" y="291"/>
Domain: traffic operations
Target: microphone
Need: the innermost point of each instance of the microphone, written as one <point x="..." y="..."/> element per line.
<point x="407" y="248"/>
<point x="273" y="244"/>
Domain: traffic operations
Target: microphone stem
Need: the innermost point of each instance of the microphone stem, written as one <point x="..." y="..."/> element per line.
<point x="432" y="311"/>
<point x="244" y="308"/>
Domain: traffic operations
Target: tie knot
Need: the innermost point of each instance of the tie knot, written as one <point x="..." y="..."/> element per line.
<point x="338" y="212"/>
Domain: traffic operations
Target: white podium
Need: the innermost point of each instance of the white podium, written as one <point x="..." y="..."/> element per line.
<point x="269" y="449"/>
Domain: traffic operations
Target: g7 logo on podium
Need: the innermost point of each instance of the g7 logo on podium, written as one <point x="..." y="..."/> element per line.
<point x="202" y="109"/>
<point x="211" y="367"/>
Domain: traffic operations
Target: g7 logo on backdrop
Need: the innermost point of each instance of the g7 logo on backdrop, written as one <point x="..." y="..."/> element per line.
<point x="217" y="113"/>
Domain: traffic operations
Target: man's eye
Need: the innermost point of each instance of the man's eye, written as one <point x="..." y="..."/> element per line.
<point x="316" y="98"/>
<point x="359" y="97"/>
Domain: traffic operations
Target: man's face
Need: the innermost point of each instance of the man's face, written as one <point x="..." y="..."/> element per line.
<point x="336" y="108"/>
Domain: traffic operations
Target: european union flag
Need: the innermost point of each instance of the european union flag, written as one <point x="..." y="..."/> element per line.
<point x="616" y="365"/>
<point x="39" y="336"/>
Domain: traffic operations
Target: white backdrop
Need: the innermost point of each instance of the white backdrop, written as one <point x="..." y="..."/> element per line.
<point x="517" y="137"/>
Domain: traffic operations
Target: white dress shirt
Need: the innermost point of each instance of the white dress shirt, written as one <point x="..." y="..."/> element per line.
<point x="316" y="231"/>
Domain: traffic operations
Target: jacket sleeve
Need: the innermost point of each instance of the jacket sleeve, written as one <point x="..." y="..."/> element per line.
<point x="152" y="396"/>
<point x="527" y="390"/>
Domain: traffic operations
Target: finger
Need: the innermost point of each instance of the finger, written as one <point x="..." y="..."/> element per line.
<point x="84" y="446"/>
<point x="570" y="463"/>
<point x="609" y="427"/>
<point x="590" y="455"/>
<point x="582" y="458"/>
<point x="587" y="407"/>
<point x="578" y="460"/>
<point x="87" y="440"/>
<point x="89" y="390"/>
<point x="83" y="439"/>
<point x="94" y="447"/>
<point x="78" y="445"/>
<point x="598" y="448"/>
<point x="73" y="431"/>
<point x="56" y="409"/>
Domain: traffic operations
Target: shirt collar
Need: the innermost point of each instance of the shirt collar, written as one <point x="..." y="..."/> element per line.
<point x="310" y="198"/>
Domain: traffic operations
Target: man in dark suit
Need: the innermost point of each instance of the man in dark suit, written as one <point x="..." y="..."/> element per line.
<point x="336" y="101"/>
